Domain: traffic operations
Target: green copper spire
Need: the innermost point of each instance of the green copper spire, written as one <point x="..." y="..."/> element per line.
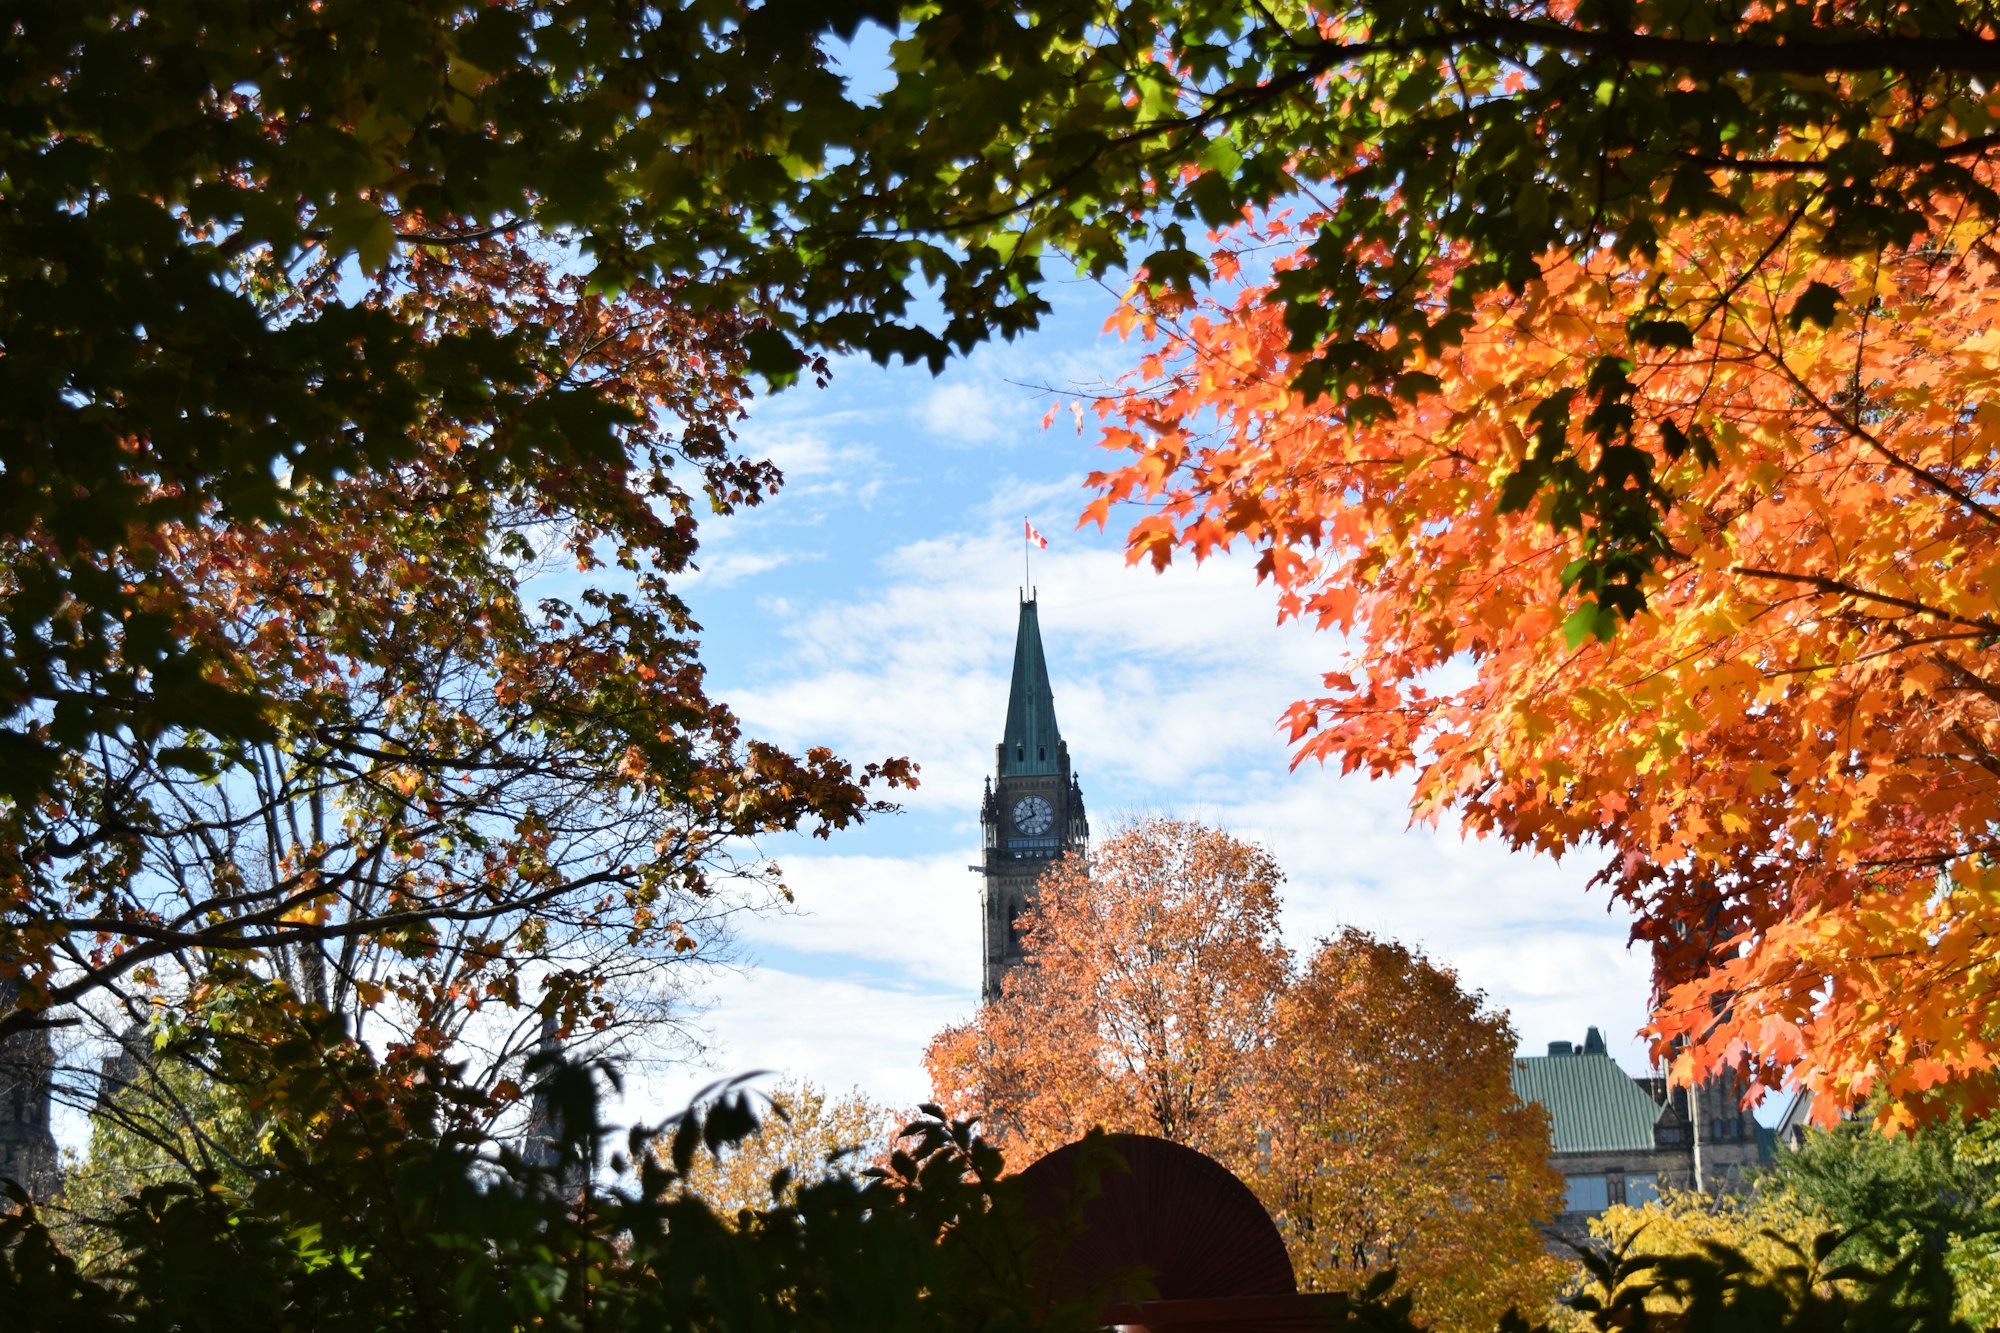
<point x="1032" y="743"/>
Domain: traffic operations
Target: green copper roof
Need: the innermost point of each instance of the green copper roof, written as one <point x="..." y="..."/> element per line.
<point x="1593" y="1105"/>
<point x="1032" y="742"/>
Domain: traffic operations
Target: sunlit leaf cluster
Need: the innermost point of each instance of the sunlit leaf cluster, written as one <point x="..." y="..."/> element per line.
<point x="1785" y="764"/>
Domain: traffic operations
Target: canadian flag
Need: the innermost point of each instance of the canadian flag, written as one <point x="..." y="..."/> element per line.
<point x="1035" y="537"/>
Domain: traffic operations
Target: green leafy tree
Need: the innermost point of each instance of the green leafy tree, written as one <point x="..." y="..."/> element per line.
<point x="1935" y="1190"/>
<point x="189" y="192"/>
<point x="1919" y="1207"/>
<point x="1719" y="1279"/>
<point x="384" y="1203"/>
<point x="160" y="1118"/>
<point x="460" y="785"/>
<point x="480" y="282"/>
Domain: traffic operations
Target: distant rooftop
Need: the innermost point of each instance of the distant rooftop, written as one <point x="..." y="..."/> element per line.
<point x="1593" y="1105"/>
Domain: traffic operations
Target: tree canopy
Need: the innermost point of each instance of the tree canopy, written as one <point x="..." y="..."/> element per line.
<point x="1782" y="1264"/>
<point x="1390" y="1138"/>
<point x="175" y="242"/>
<point x="1451" y="152"/>
<point x="1785" y="766"/>
<point x="1934" y="1192"/>
<point x="460" y="782"/>
<point x="1143" y="1002"/>
<point x="383" y="1201"/>
<point x="806" y="1135"/>
<point x="1364" y="1096"/>
<point x="327" y="336"/>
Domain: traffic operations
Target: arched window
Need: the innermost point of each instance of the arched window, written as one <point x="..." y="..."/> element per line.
<point x="19" y="1104"/>
<point x="1013" y="929"/>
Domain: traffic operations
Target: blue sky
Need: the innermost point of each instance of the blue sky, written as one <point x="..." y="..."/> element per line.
<point x="871" y="606"/>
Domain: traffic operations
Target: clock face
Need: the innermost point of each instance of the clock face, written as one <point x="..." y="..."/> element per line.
<point x="1034" y="816"/>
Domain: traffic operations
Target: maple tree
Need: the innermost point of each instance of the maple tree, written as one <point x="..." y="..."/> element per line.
<point x="1151" y="969"/>
<point x="1785" y="763"/>
<point x="1110" y="133"/>
<point x="472" y="789"/>
<point x="1365" y="1097"/>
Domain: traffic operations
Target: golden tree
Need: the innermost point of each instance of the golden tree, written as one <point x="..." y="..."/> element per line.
<point x="1389" y="1136"/>
<point x="806" y="1134"/>
<point x="1773" y="1231"/>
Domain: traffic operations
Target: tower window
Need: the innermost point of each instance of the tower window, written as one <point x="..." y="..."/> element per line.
<point x="1020" y="752"/>
<point x="1041" y="752"/>
<point x="20" y="1107"/>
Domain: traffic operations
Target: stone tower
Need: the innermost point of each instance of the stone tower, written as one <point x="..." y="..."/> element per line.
<point x="1033" y="811"/>
<point x="27" y="1148"/>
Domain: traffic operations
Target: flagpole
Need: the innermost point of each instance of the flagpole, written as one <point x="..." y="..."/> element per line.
<point x="1027" y="550"/>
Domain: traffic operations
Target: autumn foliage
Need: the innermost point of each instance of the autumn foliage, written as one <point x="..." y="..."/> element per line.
<point x="805" y="1135"/>
<point x="1154" y="968"/>
<point x="1391" y="1136"/>
<point x="1787" y="765"/>
<point x="492" y="776"/>
<point x="1362" y="1094"/>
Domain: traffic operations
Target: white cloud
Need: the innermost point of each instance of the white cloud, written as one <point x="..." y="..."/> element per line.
<point x="1162" y="680"/>
<point x="803" y="453"/>
<point x="728" y="568"/>
<point x="962" y="412"/>
<point x="818" y="467"/>
<point x="905" y="914"/>
<point x="839" y="1032"/>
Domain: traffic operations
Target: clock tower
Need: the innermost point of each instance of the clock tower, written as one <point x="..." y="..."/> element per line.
<point x="1033" y="811"/>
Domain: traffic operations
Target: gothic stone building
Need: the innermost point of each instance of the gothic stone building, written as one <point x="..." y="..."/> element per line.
<point x="1033" y="811"/>
<point x="1620" y="1139"/>
<point x="27" y="1148"/>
